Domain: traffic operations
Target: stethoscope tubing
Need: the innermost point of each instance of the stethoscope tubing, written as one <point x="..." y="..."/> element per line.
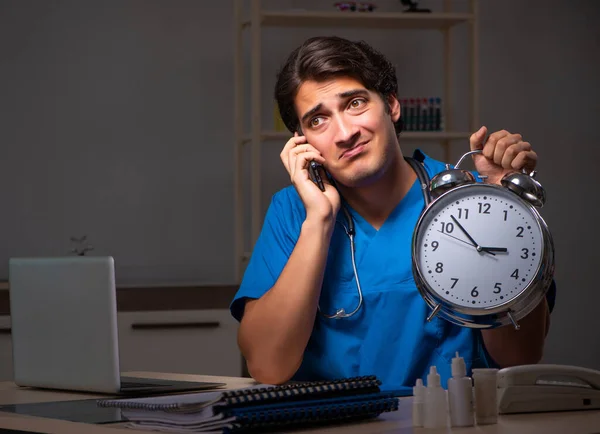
<point x="350" y="232"/>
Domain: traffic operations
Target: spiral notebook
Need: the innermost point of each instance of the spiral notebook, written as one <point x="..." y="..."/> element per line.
<point x="261" y="408"/>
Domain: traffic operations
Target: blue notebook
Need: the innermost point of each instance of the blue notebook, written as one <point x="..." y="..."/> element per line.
<point x="260" y="408"/>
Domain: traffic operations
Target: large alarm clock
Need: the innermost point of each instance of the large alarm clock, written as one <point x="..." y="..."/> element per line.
<point x="482" y="254"/>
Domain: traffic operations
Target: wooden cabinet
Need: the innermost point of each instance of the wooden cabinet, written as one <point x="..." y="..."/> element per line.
<point x="190" y="342"/>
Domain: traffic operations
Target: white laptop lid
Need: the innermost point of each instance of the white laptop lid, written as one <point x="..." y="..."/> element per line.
<point x="64" y="323"/>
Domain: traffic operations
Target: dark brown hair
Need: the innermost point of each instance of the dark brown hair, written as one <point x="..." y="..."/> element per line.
<point x="325" y="57"/>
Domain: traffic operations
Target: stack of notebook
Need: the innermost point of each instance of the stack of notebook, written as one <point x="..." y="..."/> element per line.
<point x="261" y="408"/>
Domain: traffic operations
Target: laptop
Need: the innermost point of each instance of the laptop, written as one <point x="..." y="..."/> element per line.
<point x="64" y="328"/>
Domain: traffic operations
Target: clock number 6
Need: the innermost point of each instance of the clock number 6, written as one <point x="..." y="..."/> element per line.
<point x="474" y="292"/>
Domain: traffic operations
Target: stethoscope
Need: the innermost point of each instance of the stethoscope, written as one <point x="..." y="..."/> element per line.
<point x="350" y="232"/>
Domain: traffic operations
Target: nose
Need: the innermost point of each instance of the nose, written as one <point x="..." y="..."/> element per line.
<point x="346" y="131"/>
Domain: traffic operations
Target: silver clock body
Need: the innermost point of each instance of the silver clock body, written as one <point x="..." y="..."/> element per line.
<point x="483" y="257"/>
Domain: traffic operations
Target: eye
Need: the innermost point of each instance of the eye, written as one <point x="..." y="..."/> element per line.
<point x="357" y="103"/>
<point x="316" y="121"/>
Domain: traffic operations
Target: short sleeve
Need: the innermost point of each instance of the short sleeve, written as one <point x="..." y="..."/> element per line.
<point x="277" y="239"/>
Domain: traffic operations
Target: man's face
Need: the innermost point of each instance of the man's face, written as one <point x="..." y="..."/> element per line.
<point x="350" y="127"/>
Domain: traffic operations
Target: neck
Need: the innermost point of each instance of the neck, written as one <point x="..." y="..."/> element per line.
<point x="375" y="201"/>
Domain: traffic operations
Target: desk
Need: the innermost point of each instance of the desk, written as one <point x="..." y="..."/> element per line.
<point x="399" y="422"/>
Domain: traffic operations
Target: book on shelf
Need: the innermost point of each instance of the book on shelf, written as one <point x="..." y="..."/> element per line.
<point x="260" y="408"/>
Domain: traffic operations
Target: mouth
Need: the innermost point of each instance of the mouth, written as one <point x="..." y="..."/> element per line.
<point x="354" y="150"/>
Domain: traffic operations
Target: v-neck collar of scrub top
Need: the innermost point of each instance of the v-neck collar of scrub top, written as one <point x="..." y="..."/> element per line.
<point x="368" y="233"/>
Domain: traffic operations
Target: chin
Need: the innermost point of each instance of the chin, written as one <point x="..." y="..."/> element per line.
<point x="362" y="177"/>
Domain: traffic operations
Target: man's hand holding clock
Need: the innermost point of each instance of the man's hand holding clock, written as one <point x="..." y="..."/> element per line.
<point x="502" y="153"/>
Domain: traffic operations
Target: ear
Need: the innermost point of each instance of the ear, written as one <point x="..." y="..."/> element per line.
<point x="395" y="109"/>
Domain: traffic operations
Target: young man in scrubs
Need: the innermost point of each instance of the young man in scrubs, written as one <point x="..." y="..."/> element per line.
<point x="342" y="96"/>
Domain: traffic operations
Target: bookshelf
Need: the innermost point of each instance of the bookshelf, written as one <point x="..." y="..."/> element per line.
<point x="249" y="20"/>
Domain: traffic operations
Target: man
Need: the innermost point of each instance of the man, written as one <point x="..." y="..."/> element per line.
<point x="339" y="98"/>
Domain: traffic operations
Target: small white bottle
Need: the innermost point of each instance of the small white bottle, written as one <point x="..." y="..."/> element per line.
<point x="436" y="402"/>
<point x="418" y="408"/>
<point x="460" y="394"/>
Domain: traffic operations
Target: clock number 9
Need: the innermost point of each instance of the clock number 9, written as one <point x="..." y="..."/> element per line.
<point x="435" y="245"/>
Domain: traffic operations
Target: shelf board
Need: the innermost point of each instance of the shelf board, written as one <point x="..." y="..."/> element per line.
<point x="406" y="135"/>
<point x="376" y="20"/>
<point x="434" y="135"/>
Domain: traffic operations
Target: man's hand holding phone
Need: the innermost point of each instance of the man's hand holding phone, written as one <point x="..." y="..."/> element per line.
<point x="297" y="156"/>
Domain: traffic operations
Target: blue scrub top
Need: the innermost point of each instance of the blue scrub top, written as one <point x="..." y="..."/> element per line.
<point x="389" y="336"/>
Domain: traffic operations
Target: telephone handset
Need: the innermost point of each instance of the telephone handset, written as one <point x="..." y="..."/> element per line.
<point x="547" y="387"/>
<point x="315" y="176"/>
<point x="313" y="168"/>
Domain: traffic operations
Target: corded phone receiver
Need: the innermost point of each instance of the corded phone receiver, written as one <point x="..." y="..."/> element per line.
<point x="547" y="387"/>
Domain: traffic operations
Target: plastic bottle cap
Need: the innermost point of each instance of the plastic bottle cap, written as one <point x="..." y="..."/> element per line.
<point x="433" y="378"/>
<point x="459" y="369"/>
<point x="419" y="389"/>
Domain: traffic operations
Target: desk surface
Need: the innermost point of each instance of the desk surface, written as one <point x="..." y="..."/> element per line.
<point x="399" y="422"/>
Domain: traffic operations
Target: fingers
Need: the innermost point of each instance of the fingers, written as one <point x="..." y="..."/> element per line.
<point x="525" y="160"/>
<point x="300" y="156"/>
<point x="291" y="144"/>
<point x="476" y="139"/>
<point x="499" y="143"/>
<point x="509" y="151"/>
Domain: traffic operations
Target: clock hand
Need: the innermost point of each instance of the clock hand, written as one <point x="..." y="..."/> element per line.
<point x="477" y="246"/>
<point x="495" y="249"/>
<point x="463" y="241"/>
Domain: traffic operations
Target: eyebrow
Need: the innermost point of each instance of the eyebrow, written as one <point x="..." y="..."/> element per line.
<point x="344" y="95"/>
<point x="311" y="112"/>
<point x="353" y="92"/>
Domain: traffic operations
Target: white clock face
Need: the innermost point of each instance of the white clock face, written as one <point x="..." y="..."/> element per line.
<point x="479" y="247"/>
